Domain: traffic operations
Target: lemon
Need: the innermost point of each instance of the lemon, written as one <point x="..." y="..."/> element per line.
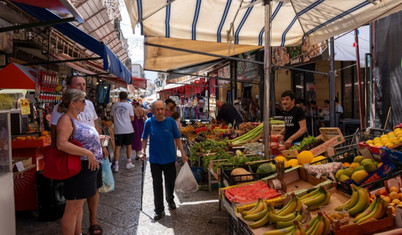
<point x="317" y="159"/>
<point x="378" y="145"/>
<point x="389" y="145"/>
<point x="369" y="142"/>
<point x="377" y="139"/>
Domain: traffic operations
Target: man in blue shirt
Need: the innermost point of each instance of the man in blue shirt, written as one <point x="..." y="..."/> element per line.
<point x="163" y="135"/>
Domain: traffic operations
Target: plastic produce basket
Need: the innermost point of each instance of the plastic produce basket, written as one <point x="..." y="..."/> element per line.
<point x="346" y="156"/>
<point x="226" y="171"/>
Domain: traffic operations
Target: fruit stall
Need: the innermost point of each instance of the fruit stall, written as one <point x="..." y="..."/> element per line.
<point x="320" y="186"/>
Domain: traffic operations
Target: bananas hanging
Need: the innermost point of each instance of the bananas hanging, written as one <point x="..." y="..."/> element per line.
<point x="316" y="198"/>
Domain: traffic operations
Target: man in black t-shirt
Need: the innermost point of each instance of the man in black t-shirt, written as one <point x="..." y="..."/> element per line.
<point x="228" y="113"/>
<point x="295" y="120"/>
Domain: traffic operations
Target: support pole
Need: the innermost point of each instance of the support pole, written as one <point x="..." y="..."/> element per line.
<point x="332" y="84"/>
<point x="267" y="75"/>
<point x="359" y="82"/>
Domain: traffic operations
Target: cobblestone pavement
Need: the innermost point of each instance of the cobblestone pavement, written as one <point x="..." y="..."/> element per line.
<point x="119" y="210"/>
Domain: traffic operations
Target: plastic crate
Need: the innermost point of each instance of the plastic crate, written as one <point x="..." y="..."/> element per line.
<point x="233" y="225"/>
<point x="243" y="228"/>
<point x="381" y="173"/>
<point x="226" y="171"/>
<point x="346" y="156"/>
<point x="369" y="134"/>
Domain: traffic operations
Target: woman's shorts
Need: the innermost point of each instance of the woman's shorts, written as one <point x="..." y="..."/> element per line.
<point x="82" y="185"/>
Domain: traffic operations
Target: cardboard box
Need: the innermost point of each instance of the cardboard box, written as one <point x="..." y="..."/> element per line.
<point x="332" y="137"/>
<point x="26" y="161"/>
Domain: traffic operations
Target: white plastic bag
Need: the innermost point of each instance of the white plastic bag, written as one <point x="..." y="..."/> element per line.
<point x="185" y="181"/>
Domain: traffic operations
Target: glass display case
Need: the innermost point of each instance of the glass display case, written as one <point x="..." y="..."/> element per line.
<point x="5" y="143"/>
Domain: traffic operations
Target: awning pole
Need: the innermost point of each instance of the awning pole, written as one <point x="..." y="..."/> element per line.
<point x="38" y="24"/>
<point x="332" y="83"/>
<point x="359" y="82"/>
<point x="267" y="73"/>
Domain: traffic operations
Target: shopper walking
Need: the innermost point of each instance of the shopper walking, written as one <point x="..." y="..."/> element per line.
<point x="122" y="115"/>
<point x="89" y="117"/>
<point x="83" y="185"/>
<point x="163" y="135"/>
<point x="138" y="126"/>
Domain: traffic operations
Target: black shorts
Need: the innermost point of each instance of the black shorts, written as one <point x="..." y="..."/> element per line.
<point x="83" y="185"/>
<point x="99" y="182"/>
<point x="123" y="139"/>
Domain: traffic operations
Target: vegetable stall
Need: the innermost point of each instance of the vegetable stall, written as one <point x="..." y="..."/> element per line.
<point x="325" y="184"/>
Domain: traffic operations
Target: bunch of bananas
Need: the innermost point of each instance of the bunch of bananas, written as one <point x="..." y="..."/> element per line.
<point x="318" y="225"/>
<point x="376" y="210"/>
<point x="296" y="229"/>
<point x="316" y="198"/>
<point x="358" y="202"/>
<point x="262" y="213"/>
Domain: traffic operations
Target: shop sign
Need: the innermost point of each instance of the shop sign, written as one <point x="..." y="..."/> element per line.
<point x="298" y="55"/>
<point x="247" y="71"/>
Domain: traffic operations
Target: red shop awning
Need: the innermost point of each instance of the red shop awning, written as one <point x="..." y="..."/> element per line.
<point x="16" y="76"/>
<point x="139" y="82"/>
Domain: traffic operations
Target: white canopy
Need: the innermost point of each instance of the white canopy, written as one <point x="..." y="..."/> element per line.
<point x="211" y="20"/>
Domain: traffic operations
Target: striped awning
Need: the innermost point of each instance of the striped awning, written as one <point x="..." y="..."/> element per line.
<point x="242" y="22"/>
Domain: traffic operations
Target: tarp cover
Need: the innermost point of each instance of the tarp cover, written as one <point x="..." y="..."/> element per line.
<point x="388" y="71"/>
<point x="16" y="76"/>
<point x="210" y="20"/>
<point x="111" y="63"/>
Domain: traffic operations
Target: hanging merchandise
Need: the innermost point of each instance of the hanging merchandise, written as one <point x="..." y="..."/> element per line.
<point x="48" y="89"/>
<point x="102" y="93"/>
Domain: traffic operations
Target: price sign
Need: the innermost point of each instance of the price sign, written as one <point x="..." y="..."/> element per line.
<point x="24" y="105"/>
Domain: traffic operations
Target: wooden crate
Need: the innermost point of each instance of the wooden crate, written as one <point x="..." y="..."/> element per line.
<point x="365" y="228"/>
<point x="276" y="129"/>
<point x="332" y="137"/>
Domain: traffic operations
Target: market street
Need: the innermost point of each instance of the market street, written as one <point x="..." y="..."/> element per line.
<point x="119" y="210"/>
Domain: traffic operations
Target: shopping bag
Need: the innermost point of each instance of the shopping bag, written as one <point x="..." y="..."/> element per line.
<point x="107" y="177"/>
<point x="185" y="181"/>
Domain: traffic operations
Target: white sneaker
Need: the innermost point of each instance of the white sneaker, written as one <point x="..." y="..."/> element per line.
<point x="115" y="168"/>
<point x="129" y="165"/>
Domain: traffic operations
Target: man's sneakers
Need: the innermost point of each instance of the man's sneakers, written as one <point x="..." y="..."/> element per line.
<point x="129" y="165"/>
<point x="159" y="216"/>
<point x="172" y="206"/>
<point x="115" y="168"/>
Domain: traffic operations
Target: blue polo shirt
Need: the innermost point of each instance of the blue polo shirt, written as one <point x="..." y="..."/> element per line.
<point x="161" y="142"/>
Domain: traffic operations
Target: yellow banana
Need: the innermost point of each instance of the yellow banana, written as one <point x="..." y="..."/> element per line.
<point x="384" y="208"/>
<point x="323" y="202"/>
<point x="289" y="208"/>
<point x="327" y="224"/>
<point x="375" y="212"/>
<point x="315" y="200"/>
<point x="261" y="222"/>
<point x="310" y="194"/>
<point x="299" y="204"/>
<point x="277" y="218"/>
<point x="257" y="216"/>
<point x="284" y="224"/>
<point x="258" y="207"/>
<point x="319" y="229"/>
<point x="367" y="211"/>
<point x="313" y="225"/>
<point x="299" y="228"/>
<point x="288" y="230"/>
<point x="351" y="202"/>
<point x="362" y="203"/>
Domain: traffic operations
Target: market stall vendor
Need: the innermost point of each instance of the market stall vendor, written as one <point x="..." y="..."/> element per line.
<point x="295" y="120"/>
<point x="228" y="113"/>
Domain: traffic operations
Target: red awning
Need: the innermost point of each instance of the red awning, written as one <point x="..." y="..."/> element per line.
<point x="139" y="82"/>
<point x="62" y="6"/>
<point x="16" y="76"/>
